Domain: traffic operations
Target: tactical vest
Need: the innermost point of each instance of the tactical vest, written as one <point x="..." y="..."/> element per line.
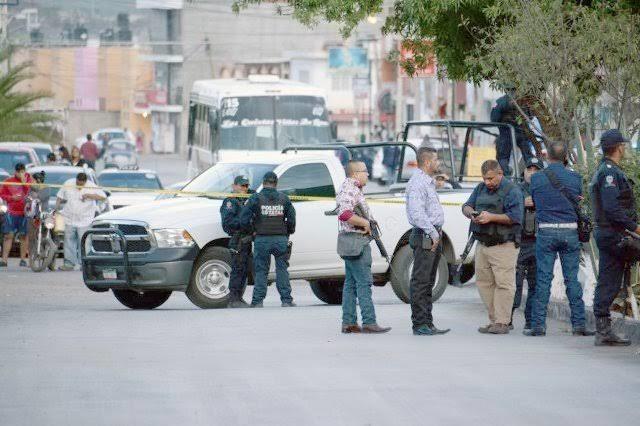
<point x="626" y="198"/>
<point x="270" y="220"/>
<point x="493" y="202"/>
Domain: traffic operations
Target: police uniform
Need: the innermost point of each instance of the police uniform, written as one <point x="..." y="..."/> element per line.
<point x="273" y="218"/>
<point x="239" y="244"/>
<point x="614" y="210"/>
<point x="497" y="251"/>
<point x="505" y="112"/>
<point x="526" y="266"/>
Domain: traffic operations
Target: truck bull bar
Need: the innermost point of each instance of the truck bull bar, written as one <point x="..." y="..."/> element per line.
<point x="119" y="257"/>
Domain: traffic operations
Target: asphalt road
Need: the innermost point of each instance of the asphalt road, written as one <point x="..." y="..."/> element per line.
<point x="73" y="357"/>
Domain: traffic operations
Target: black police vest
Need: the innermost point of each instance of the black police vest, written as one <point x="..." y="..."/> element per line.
<point x="493" y="202"/>
<point x="626" y="198"/>
<point x="270" y="219"/>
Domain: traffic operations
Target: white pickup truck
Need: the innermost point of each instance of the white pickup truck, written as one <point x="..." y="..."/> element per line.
<point x="145" y="252"/>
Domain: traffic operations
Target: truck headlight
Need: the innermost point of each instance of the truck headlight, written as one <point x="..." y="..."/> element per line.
<point x="172" y="238"/>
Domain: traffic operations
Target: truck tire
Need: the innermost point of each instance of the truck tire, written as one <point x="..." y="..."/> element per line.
<point x="401" y="266"/>
<point x="141" y="300"/>
<point x="329" y="292"/>
<point x="209" y="284"/>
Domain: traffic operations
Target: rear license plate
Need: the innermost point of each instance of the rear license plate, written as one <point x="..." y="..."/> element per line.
<point x="109" y="274"/>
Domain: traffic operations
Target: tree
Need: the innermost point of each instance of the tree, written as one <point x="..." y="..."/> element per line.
<point x="17" y="122"/>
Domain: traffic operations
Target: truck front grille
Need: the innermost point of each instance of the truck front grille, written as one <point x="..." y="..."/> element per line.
<point x="137" y="236"/>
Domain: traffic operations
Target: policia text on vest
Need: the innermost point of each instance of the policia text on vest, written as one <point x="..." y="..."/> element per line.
<point x="273" y="218"/>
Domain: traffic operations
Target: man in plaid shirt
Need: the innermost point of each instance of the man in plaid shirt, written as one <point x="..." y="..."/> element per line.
<point x="358" y="279"/>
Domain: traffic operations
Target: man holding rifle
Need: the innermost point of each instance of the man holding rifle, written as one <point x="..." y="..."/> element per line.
<point x="353" y="247"/>
<point x="615" y="212"/>
<point x="496" y="209"/>
<point x="426" y="216"/>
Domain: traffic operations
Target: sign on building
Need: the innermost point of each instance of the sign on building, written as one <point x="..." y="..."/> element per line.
<point x="348" y="58"/>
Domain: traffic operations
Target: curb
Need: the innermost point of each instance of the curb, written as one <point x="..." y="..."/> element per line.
<point x="627" y="326"/>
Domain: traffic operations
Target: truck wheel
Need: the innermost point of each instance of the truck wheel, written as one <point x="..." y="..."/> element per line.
<point x="402" y="264"/>
<point x="329" y="292"/>
<point x="209" y="284"/>
<point x="141" y="300"/>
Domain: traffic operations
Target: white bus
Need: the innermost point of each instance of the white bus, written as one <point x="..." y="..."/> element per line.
<point x="233" y="118"/>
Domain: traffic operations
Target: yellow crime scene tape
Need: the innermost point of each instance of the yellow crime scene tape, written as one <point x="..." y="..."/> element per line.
<point x="215" y="195"/>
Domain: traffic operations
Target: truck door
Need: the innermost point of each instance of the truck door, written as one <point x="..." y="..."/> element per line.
<point x="314" y="242"/>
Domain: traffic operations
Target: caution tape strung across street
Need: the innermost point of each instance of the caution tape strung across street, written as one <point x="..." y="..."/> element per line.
<point x="214" y="195"/>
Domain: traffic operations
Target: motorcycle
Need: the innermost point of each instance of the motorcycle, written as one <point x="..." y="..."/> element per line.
<point x="42" y="248"/>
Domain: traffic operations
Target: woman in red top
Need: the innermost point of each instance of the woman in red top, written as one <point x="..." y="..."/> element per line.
<point x="15" y="223"/>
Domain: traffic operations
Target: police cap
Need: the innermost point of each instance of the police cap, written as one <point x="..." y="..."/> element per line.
<point x="611" y="138"/>
<point x="534" y="162"/>
<point x="270" y="177"/>
<point x="241" y="180"/>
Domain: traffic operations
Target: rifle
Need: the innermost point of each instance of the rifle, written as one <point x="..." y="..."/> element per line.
<point x="376" y="235"/>
<point x="455" y="275"/>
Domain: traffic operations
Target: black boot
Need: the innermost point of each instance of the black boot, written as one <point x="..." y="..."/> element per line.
<point x="605" y="336"/>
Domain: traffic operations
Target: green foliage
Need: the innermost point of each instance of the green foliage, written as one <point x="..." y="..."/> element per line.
<point x="17" y="123"/>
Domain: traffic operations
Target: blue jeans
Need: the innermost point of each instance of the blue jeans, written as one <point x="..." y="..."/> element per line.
<point x="357" y="287"/>
<point x="551" y="242"/>
<point x="265" y="246"/>
<point x="72" y="239"/>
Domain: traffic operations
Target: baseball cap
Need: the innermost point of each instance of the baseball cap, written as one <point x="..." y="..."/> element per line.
<point x="270" y="177"/>
<point x="611" y="138"/>
<point x="534" y="161"/>
<point x="241" y="180"/>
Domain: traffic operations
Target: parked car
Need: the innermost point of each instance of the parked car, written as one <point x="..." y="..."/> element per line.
<point x="113" y="133"/>
<point x="137" y="180"/>
<point x="10" y="156"/>
<point x="42" y="149"/>
<point x="120" y="153"/>
<point x="58" y="175"/>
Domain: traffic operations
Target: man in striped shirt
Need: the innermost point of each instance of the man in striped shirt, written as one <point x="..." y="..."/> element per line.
<point x="426" y="216"/>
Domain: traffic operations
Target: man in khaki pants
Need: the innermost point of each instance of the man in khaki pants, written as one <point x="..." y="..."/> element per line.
<point x="496" y="209"/>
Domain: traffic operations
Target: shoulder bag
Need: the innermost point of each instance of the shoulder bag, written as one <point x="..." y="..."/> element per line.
<point x="584" y="222"/>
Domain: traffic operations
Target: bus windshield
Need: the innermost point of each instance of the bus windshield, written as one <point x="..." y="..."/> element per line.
<point x="267" y="123"/>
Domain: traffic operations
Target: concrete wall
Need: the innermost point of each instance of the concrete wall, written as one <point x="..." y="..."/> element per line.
<point x="79" y="123"/>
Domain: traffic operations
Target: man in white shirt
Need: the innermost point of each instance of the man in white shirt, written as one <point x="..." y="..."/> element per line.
<point x="80" y="197"/>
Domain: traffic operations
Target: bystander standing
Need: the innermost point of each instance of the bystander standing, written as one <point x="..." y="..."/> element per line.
<point x="79" y="197"/>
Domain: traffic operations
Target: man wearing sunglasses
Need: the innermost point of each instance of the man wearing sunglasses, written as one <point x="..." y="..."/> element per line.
<point x="239" y="244"/>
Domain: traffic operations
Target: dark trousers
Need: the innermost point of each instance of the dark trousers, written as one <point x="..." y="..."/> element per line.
<point x="526" y="268"/>
<point x="504" y="148"/>
<point x="423" y="276"/>
<point x="240" y="266"/>
<point x="610" y="271"/>
<point x="264" y="247"/>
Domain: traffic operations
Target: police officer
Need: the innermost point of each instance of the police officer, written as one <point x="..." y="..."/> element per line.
<point x="495" y="208"/>
<point x="614" y="210"/>
<point x="274" y="218"/>
<point x="504" y="111"/>
<point x="526" y="266"/>
<point x="239" y="244"/>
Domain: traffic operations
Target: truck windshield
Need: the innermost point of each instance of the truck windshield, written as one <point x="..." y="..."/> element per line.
<point x="130" y="180"/>
<point x="219" y="178"/>
<point x="267" y="123"/>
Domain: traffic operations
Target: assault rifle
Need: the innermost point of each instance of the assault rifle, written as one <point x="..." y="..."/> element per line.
<point x="455" y="275"/>
<point x="376" y="235"/>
